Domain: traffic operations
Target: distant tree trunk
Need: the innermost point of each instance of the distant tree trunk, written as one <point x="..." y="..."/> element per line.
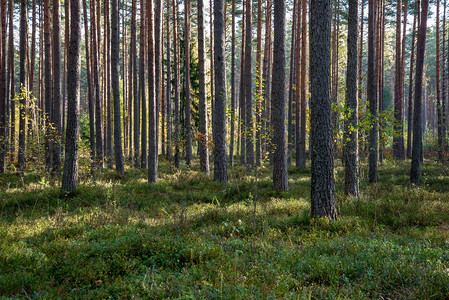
<point x="334" y="72"/>
<point x="242" y="93"/>
<point x="169" y="105"/>
<point x="280" y="172"/>
<point x="12" y="73"/>
<point x="444" y="83"/>
<point x="302" y="137"/>
<point x="249" y="128"/>
<point x="259" y="84"/>
<point x="351" y="155"/>
<point x="219" y="120"/>
<point x="152" y="135"/>
<point x="438" y="86"/>
<point x="233" y="83"/>
<point x="267" y="78"/>
<point x="90" y="100"/>
<point x="292" y="86"/>
<point x="212" y="81"/>
<point x="23" y="84"/>
<point x="372" y="90"/>
<point x="322" y="182"/>
<point x="410" y="91"/>
<point x="133" y="88"/>
<point x="65" y="66"/>
<point x="70" y="174"/>
<point x="298" y="83"/>
<point x="360" y="77"/>
<point x="203" y="130"/>
<point x="98" y="109"/>
<point x="33" y="45"/>
<point x="115" y="81"/>
<point x="415" y="173"/>
<point x="48" y="83"/>
<point x="398" y="137"/>
<point x="176" y="71"/>
<point x="125" y="85"/>
<point x="143" y="87"/>
<point x="187" y="82"/>
<point x="107" y="41"/>
<point x="158" y="66"/>
<point x="3" y="127"/>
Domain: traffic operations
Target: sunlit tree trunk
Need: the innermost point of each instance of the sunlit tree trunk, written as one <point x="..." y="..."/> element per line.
<point x="249" y="128"/>
<point x="187" y="81"/>
<point x="152" y="108"/>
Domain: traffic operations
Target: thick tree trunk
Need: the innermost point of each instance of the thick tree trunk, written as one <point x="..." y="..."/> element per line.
<point x="351" y="155"/>
<point x="322" y="181"/>
<point x="70" y="174"/>
<point x="219" y="120"/>
<point x="415" y="173"/>
<point x="203" y="126"/>
<point x="372" y="90"/>
<point x="280" y="172"/>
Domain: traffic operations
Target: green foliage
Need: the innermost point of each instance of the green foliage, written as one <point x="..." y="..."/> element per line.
<point x="189" y="237"/>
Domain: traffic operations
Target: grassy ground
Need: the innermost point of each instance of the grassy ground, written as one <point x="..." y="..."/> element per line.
<point x="188" y="237"/>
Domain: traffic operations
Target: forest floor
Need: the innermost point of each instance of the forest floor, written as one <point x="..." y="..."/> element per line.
<point x="189" y="237"/>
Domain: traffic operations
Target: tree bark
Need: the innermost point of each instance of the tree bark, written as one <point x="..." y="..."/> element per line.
<point x="187" y="81"/>
<point x="152" y="109"/>
<point x="302" y="137"/>
<point x="219" y="120"/>
<point x="322" y="181"/>
<point x="176" y="71"/>
<point x="107" y="76"/>
<point x="438" y="85"/>
<point x="203" y="126"/>
<point x="372" y="90"/>
<point x="70" y="174"/>
<point x="23" y="83"/>
<point x="259" y="84"/>
<point x="233" y="84"/>
<point x="410" y="91"/>
<point x="48" y="83"/>
<point x="280" y="172"/>
<point x="351" y="125"/>
<point x="143" y="87"/>
<point x="12" y="73"/>
<point x="415" y="173"/>
<point x="169" y="87"/>
<point x="249" y="128"/>
<point x="3" y="127"/>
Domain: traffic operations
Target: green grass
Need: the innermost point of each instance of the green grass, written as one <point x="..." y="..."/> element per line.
<point x="187" y="237"/>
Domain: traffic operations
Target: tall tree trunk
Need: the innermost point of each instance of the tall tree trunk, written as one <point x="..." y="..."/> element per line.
<point x="415" y="172"/>
<point x="372" y="90"/>
<point x="169" y="104"/>
<point x="203" y="126"/>
<point x="233" y="83"/>
<point x="65" y="65"/>
<point x="187" y="81"/>
<point x="259" y="84"/>
<point x="96" y="77"/>
<point x="444" y="80"/>
<point x="212" y="81"/>
<point x="152" y="131"/>
<point x="322" y="182"/>
<point x="3" y="133"/>
<point x="158" y="26"/>
<point x="48" y="83"/>
<point x="298" y="82"/>
<point x="410" y="91"/>
<point x="351" y="155"/>
<point x="12" y="73"/>
<point x="280" y="172"/>
<point x="90" y="98"/>
<point x="242" y="99"/>
<point x="249" y="128"/>
<point x="334" y="72"/>
<point x="219" y="120"/>
<point x="115" y="81"/>
<point x="23" y="84"/>
<point x="302" y="137"/>
<point x="292" y="87"/>
<point x="267" y="79"/>
<point x="134" y="98"/>
<point x="360" y="78"/>
<point x="143" y="86"/>
<point x="107" y="76"/>
<point x="70" y="174"/>
<point x="176" y="71"/>
<point x="33" y="46"/>
<point x="438" y="85"/>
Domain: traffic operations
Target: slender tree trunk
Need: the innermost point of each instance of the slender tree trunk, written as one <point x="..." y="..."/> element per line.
<point x="203" y="126"/>
<point x="65" y="66"/>
<point x="302" y="137"/>
<point x="158" y="66"/>
<point x="242" y="92"/>
<point x="33" y="45"/>
<point x="351" y="125"/>
<point x="415" y="173"/>
<point x="360" y="78"/>
<point x="70" y="174"/>
<point x="23" y="84"/>
<point x="280" y="172"/>
<point x="107" y="76"/>
<point x="219" y="120"/>
<point x="212" y="81"/>
<point x="266" y="115"/>
<point x="444" y="80"/>
<point x="334" y="72"/>
<point x="259" y="84"/>
<point x="372" y="90"/>
<point x="233" y="83"/>
<point x="176" y="71"/>
<point x="115" y="81"/>
<point x="48" y="83"/>
<point x="292" y="87"/>
<point x="169" y="104"/>
<point x="3" y="127"/>
<point x="322" y="182"/>
<point x="438" y="85"/>
<point x="90" y="99"/>
<point x="143" y="86"/>
<point x="187" y="81"/>
<point x="298" y="82"/>
<point x="249" y="90"/>
<point x="12" y="73"/>
<point x="410" y="93"/>
<point x="152" y="132"/>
